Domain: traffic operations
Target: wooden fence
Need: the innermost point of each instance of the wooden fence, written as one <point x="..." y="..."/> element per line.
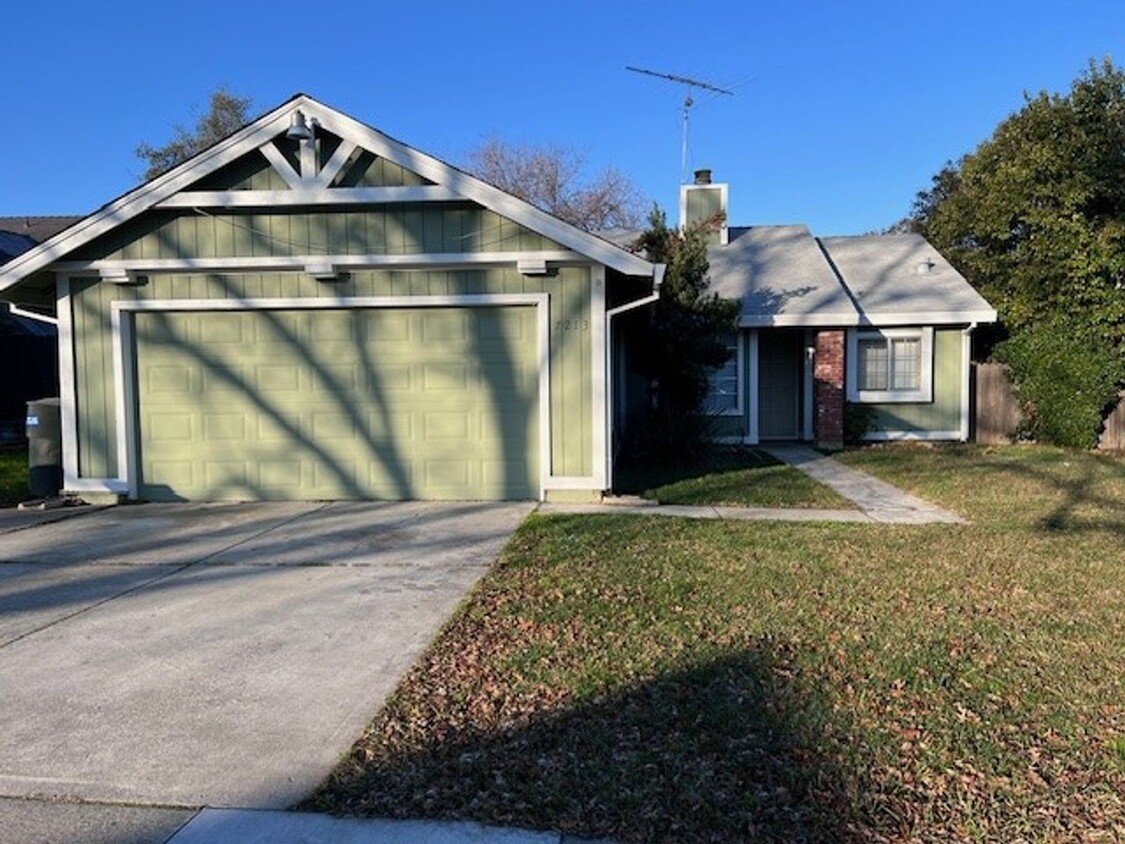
<point x="998" y="415"/>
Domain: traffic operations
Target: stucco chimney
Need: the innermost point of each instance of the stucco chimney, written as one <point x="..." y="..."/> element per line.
<point x="705" y="201"/>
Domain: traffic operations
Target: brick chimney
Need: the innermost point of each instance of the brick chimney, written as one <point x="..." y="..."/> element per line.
<point x="829" y="390"/>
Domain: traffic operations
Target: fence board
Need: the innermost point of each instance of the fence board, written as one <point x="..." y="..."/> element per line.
<point x="1113" y="437"/>
<point x="998" y="411"/>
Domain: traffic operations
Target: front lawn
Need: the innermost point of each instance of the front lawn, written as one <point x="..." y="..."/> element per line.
<point x="659" y="679"/>
<point x="13" y="475"/>
<point x="734" y="477"/>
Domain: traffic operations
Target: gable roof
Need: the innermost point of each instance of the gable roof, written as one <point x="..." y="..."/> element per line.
<point x="454" y="184"/>
<point x="899" y="279"/>
<point x="783" y="276"/>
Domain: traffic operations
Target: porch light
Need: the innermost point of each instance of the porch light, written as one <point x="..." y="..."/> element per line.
<point x="299" y="129"/>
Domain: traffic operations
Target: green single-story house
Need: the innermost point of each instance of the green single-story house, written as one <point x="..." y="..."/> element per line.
<point x="876" y="321"/>
<point x="310" y="309"/>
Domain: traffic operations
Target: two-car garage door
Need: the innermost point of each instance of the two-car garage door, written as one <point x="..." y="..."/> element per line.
<point x="390" y="403"/>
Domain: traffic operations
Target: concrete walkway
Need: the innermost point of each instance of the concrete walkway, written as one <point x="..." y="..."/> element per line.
<point x="878" y="501"/>
<point x="881" y="501"/>
<point x="98" y="823"/>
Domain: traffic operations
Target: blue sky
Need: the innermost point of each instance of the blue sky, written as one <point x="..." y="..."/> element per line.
<point x="842" y="111"/>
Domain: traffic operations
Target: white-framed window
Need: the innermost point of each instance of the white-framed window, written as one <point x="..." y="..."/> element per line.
<point x="724" y="384"/>
<point x="891" y="365"/>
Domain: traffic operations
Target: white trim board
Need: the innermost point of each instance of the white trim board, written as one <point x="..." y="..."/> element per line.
<point x="925" y="392"/>
<point x="895" y="436"/>
<point x="298" y="263"/>
<point x="125" y="385"/>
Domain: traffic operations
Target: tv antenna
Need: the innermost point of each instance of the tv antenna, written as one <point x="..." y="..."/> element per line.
<point x="688" y="103"/>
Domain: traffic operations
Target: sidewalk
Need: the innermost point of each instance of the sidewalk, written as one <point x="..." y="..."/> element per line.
<point x="878" y="501"/>
<point x="96" y="823"/>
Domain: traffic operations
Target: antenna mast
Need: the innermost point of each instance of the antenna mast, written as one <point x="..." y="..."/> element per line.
<point x="688" y="103"/>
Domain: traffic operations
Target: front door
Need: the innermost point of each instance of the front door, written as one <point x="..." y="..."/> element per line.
<point x="780" y="361"/>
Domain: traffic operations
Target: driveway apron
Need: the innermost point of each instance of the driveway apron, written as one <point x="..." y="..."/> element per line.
<point x="221" y="655"/>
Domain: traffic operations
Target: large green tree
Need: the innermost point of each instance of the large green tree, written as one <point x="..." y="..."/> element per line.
<point x="227" y="114"/>
<point x="1034" y="217"/>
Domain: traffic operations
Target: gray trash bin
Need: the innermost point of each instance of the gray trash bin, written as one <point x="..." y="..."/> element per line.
<point x="44" y="448"/>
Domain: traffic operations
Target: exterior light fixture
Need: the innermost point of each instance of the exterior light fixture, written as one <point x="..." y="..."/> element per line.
<point x="299" y="129"/>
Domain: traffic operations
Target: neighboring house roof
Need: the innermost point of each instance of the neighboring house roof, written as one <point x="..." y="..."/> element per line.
<point x="37" y="228"/>
<point x="12" y="245"/>
<point x="16" y="325"/>
<point x="781" y="277"/>
<point x="446" y="182"/>
<point x="786" y="277"/>
<point x="902" y="279"/>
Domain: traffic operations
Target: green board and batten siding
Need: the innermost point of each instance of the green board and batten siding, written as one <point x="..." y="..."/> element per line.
<point x="409" y="229"/>
<point x="944" y="412"/>
<point x="569" y="334"/>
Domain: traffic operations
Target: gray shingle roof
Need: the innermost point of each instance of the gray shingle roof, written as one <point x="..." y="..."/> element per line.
<point x="781" y="276"/>
<point x="882" y="272"/>
<point x="37" y="228"/>
<point x="786" y="277"/>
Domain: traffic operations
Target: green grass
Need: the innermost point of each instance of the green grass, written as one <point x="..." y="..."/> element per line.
<point x="13" y="475"/>
<point x="659" y="679"/>
<point x="736" y="477"/>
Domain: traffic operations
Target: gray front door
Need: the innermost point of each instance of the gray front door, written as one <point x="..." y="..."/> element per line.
<point x="779" y="384"/>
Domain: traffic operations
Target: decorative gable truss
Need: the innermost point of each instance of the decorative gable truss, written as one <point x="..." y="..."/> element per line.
<point x="305" y="155"/>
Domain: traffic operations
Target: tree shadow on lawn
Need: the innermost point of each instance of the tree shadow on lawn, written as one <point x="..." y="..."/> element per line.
<point x="731" y="750"/>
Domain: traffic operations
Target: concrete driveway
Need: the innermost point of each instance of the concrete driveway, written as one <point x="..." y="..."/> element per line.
<point x="221" y="655"/>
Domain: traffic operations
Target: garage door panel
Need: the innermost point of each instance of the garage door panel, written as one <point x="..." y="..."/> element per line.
<point x="362" y="407"/>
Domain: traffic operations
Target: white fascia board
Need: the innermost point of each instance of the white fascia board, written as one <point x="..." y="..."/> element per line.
<point x="146" y="196"/>
<point x="876" y="320"/>
<point x="843" y="319"/>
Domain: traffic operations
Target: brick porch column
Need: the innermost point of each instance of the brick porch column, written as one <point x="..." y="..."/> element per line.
<point x="829" y="389"/>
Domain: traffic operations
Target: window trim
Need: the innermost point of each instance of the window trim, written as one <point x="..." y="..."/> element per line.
<point x="739" y="388"/>
<point x="925" y="391"/>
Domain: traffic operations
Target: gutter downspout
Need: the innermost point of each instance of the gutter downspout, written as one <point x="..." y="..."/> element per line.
<point x="966" y="378"/>
<point x="611" y="405"/>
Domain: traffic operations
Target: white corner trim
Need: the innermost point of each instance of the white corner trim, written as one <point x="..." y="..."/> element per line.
<point x="124" y="357"/>
<point x="925" y="391"/>
<point x="68" y="395"/>
<point x="599" y="364"/>
<point x="966" y="380"/>
<point x="754" y="403"/>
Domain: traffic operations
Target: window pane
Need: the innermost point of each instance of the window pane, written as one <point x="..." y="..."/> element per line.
<point x="722" y="383"/>
<point x="907" y="357"/>
<point x="872" y="364"/>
